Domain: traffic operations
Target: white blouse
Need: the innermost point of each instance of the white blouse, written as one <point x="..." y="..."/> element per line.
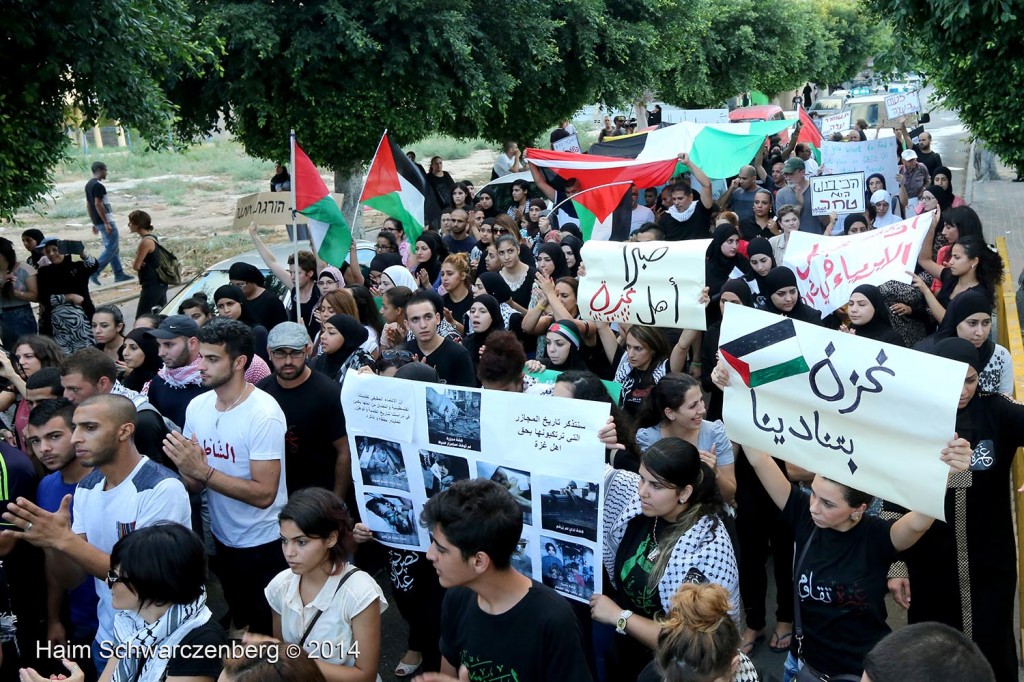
<point x="330" y="640"/>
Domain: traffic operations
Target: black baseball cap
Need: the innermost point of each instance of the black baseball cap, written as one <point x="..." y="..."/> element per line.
<point x="175" y="326"/>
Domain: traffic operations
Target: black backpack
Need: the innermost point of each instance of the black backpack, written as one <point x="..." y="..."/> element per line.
<point x="168" y="269"/>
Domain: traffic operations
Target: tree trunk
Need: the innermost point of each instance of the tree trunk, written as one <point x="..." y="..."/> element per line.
<point x="348" y="180"/>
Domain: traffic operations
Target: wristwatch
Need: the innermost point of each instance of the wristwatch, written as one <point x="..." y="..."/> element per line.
<point x="620" y="624"/>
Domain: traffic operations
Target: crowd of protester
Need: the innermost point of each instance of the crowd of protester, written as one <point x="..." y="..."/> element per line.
<point x="134" y="458"/>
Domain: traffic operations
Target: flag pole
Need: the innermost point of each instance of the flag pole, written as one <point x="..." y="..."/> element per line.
<point x="295" y="234"/>
<point x="366" y="177"/>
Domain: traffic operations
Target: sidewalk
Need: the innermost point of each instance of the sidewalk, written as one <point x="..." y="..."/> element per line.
<point x="1000" y="205"/>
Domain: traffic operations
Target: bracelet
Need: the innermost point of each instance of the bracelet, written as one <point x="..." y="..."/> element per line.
<point x="209" y="475"/>
<point x="695" y="364"/>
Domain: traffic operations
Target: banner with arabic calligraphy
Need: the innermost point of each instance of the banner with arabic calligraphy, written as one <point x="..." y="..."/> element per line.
<point x="828" y="269"/>
<point x="655" y="284"/>
<point x="842" y="193"/>
<point x="845" y="407"/>
<point x="411" y="440"/>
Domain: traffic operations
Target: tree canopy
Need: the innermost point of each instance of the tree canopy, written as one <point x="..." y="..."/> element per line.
<point x="973" y="53"/>
<point x="75" y="60"/>
<point x="340" y="72"/>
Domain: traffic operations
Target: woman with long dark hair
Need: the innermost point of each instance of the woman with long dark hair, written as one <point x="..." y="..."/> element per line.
<point x="518" y="275"/>
<point x="663" y="527"/>
<point x="972" y="265"/>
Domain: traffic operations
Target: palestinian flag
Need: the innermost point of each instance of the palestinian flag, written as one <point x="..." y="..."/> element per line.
<point x="397" y="188"/>
<point x="810" y="134"/>
<point x="756" y="368"/>
<point x="328" y="227"/>
<point x="604" y="213"/>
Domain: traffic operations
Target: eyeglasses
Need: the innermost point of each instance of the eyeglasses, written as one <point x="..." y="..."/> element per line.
<point x="386" y="248"/>
<point x="287" y="354"/>
<point x="387" y="229"/>
<point x="115" y="577"/>
<point x="501" y="230"/>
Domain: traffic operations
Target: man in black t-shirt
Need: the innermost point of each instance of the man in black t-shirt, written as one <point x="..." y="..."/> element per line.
<point x="315" y="447"/>
<point x="689" y="216"/>
<point x="266" y="308"/>
<point x="925" y="154"/>
<point x="452" y="361"/>
<point x="102" y="216"/>
<point x="494" y="620"/>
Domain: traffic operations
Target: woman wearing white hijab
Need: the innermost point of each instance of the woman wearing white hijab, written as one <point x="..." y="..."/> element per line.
<point x="882" y="201"/>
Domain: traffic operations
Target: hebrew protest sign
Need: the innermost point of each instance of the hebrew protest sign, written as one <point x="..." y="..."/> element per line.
<point x="873" y="156"/>
<point x="269" y="208"/>
<point x="656" y="284"/>
<point x="842" y="406"/>
<point x="412" y="440"/>
<point x="902" y="104"/>
<point x="842" y="193"/>
<point x="567" y="144"/>
<point x="836" y="123"/>
<point x="828" y="269"/>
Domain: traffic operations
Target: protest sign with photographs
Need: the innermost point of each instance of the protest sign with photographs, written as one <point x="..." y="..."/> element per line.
<point x="414" y="440"/>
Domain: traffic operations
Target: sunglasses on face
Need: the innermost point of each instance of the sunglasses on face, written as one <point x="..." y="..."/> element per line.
<point x="114" y="577"/>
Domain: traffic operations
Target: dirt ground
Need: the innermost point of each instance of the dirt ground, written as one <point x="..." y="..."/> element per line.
<point x="195" y="223"/>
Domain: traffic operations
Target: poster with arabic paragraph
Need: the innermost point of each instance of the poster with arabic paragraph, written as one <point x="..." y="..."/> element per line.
<point x="411" y="441"/>
<point x="845" y="407"/>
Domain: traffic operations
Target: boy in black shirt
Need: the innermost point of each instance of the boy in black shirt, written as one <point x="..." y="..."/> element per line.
<point x="495" y="622"/>
<point x="452" y="361"/>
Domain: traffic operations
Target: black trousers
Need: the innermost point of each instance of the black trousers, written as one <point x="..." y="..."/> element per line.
<point x="244" y="573"/>
<point x="152" y="295"/>
<point x="418" y="595"/>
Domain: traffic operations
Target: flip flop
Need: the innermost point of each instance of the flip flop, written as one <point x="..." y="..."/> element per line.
<point x="778" y="639"/>
<point x="407" y="669"/>
<point x="748" y="647"/>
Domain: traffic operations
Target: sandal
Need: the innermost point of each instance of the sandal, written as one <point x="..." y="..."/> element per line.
<point x="748" y="646"/>
<point x="407" y="669"/>
<point x="776" y="643"/>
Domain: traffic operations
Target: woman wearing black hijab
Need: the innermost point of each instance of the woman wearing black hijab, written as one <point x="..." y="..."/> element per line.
<point x="494" y="284"/>
<point x="574" y="245"/>
<point x="340" y="340"/>
<point x="484" y="317"/>
<point x="869" y="317"/>
<point x="429" y="254"/>
<point x="722" y="259"/>
<point x="550" y="251"/>
<point x="784" y="297"/>
<point x="963" y="572"/>
<point x="969" y="317"/>
<point x="142" y="356"/>
<point x="761" y="257"/>
<point x="232" y="304"/>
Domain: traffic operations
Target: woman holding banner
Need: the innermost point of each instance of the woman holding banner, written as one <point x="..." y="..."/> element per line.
<point x="663" y="528"/>
<point x="842" y="557"/>
<point x="964" y="571"/>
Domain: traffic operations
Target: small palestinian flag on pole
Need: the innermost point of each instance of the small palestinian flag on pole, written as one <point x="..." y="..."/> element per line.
<point x="397" y="188"/>
<point x="605" y="212"/>
<point x="756" y="369"/>
<point x="327" y="226"/>
<point x="810" y="134"/>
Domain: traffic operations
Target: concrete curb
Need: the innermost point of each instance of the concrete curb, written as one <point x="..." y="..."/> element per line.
<point x="969" y="186"/>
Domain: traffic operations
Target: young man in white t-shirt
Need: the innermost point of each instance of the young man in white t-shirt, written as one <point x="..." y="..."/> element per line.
<point x="125" y="491"/>
<point x="233" y="445"/>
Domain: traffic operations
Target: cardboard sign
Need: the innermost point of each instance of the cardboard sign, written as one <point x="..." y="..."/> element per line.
<point x="872" y="156"/>
<point x="845" y="407"/>
<point x="842" y="193"/>
<point x="655" y="284"/>
<point x="412" y="440"/>
<point x="837" y="123"/>
<point x="828" y="269"/>
<point x="269" y="208"/>
<point x="902" y="104"/>
<point x="567" y="144"/>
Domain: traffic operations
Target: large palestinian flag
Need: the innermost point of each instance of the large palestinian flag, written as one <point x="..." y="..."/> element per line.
<point x="328" y="227"/>
<point x="810" y="134"/>
<point x="397" y="188"/>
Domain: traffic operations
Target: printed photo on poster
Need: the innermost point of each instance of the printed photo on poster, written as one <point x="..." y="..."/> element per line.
<point x="441" y="470"/>
<point x="568" y="506"/>
<point x="391" y="519"/>
<point x="381" y="463"/>
<point x="567" y="568"/>
<point x="515" y="481"/>
<point x="522" y="558"/>
<point x="453" y="418"/>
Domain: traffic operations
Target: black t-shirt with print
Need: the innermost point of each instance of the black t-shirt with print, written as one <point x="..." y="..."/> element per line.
<point x="451" y="361"/>
<point x="537" y="639"/>
<point x="842" y="583"/>
<point x="633" y="565"/>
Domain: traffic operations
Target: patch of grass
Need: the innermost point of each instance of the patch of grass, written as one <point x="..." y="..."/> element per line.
<point x="66" y="208"/>
<point x="212" y="158"/>
<point x="447" y="148"/>
<point x="171" y="190"/>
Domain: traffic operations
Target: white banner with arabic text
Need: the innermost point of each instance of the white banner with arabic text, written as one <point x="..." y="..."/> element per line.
<point x="828" y="269"/>
<point x="845" y="407"/>
<point x="655" y="284"/>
